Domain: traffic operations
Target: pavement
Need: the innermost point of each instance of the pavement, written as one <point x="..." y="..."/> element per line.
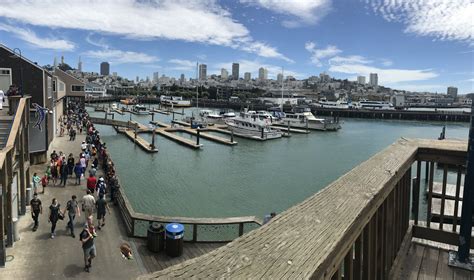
<point x="37" y="256"/>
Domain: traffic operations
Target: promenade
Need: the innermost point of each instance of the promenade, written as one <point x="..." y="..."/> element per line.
<point x="37" y="256"/>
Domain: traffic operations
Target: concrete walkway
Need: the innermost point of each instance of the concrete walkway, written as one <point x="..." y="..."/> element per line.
<point x="37" y="256"/>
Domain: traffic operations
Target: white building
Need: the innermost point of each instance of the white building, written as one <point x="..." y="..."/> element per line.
<point x="202" y="72"/>
<point x="280" y="77"/>
<point x="247" y="76"/>
<point x="452" y="92"/>
<point x="361" y="80"/>
<point x="224" y="74"/>
<point x="262" y="74"/>
<point x="156" y="77"/>
<point x="94" y="90"/>
<point x="374" y="79"/>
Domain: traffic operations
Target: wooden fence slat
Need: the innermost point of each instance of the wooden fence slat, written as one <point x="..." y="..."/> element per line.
<point x="456" y="197"/>
<point x="443" y="196"/>
<point x="430" y="191"/>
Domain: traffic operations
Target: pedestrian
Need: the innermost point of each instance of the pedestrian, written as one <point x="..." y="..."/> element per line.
<point x="88" y="204"/>
<point x="91" y="183"/>
<point x="83" y="163"/>
<point x="78" y="172"/>
<point x="101" y="206"/>
<point x="267" y="218"/>
<point x="36" y="210"/>
<point x="95" y="162"/>
<point x="54" y="215"/>
<point x="83" y="146"/>
<point x="2" y="99"/>
<point x="36" y="181"/>
<point x="87" y="240"/>
<point x="44" y="181"/>
<point x="54" y="171"/>
<point x="64" y="173"/>
<point x="70" y="164"/>
<point x="101" y="186"/>
<point x="113" y="184"/>
<point x="72" y="208"/>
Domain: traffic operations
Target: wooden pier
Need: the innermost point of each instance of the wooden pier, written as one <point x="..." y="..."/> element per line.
<point x="142" y="143"/>
<point x="118" y="111"/>
<point x="183" y="123"/>
<point x="159" y="111"/>
<point x="178" y="139"/>
<point x="211" y="137"/>
<point x="292" y="130"/>
<point x="160" y="124"/>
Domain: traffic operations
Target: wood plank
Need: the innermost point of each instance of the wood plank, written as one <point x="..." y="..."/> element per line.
<point x="411" y="264"/>
<point x="460" y="274"/>
<point x="444" y="271"/>
<point x="457" y="195"/>
<point x="429" y="264"/>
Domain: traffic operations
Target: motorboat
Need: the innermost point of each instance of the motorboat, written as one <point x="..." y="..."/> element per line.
<point x="213" y="117"/>
<point x="301" y="117"/>
<point x="140" y="110"/>
<point x="174" y="101"/>
<point x="114" y="106"/>
<point x="374" y="105"/>
<point x="128" y="101"/>
<point x="249" y="125"/>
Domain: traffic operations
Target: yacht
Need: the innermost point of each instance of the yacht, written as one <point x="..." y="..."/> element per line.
<point x="303" y="118"/>
<point x="339" y="104"/>
<point x="374" y="105"/>
<point x="249" y="125"/>
<point x="213" y="117"/>
<point x="140" y="110"/>
<point x="175" y="101"/>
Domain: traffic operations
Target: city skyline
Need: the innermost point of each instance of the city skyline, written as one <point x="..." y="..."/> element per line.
<point x="408" y="48"/>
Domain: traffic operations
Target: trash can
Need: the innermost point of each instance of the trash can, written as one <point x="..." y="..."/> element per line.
<point x="156" y="237"/>
<point x="174" y="239"/>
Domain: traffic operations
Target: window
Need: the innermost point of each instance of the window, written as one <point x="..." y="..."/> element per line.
<point x="50" y="88"/>
<point x="54" y="86"/>
<point x="77" y="88"/>
<point x="4" y="72"/>
<point x="61" y="86"/>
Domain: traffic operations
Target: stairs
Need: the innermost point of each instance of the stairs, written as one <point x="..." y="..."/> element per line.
<point x="5" y="126"/>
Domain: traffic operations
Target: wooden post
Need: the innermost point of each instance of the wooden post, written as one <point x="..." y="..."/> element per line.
<point x="288" y="128"/>
<point x="427" y="170"/>
<point x="3" y="191"/>
<point x="173" y="115"/>
<point x="130" y="115"/>
<point x="195" y="232"/>
<point x="306" y="125"/>
<point x="241" y="229"/>
<point x="152" y="116"/>
<point x="198" y="134"/>
<point x="416" y="192"/>
<point x="262" y="132"/>
<point x="113" y="116"/>
<point x="232" y="136"/>
<point x="153" y="138"/>
<point x="136" y="129"/>
<point x="106" y="113"/>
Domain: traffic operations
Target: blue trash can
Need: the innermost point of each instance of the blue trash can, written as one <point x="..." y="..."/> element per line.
<point x="174" y="239"/>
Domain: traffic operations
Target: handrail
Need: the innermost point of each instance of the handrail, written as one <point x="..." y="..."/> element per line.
<point x="201" y="221"/>
<point x="16" y="122"/>
<point x="355" y="226"/>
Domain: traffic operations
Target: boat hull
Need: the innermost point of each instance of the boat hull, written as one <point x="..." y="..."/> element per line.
<point x="311" y="125"/>
<point x="254" y="134"/>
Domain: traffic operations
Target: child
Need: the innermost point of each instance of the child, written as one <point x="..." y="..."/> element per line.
<point x="36" y="180"/>
<point x="44" y="181"/>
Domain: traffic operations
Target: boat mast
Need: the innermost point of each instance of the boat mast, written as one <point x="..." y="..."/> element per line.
<point x="197" y="84"/>
<point x="282" y="88"/>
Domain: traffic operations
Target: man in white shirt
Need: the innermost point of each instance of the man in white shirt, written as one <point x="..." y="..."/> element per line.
<point x="2" y="99"/>
<point x="88" y="204"/>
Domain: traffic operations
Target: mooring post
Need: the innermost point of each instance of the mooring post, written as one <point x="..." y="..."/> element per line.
<point x="262" y="133"/>
<point x="136" y="129"/>
<point x="152" y="116"/>
<point x="106" y="113"/>
<point x="113" y="116"/>
<point x="153" y="138"/>
<point x="173" y="115"/>
<point x="232" y="136"/>
<point x="130" y="116"/>
<point x="461" y="257"/>
<point x="307" y="126"/>
<point x="198" y="134"/>
<point x="288" y="128"/>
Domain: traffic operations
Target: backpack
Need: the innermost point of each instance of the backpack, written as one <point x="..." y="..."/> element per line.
<point x="68" y="206"/>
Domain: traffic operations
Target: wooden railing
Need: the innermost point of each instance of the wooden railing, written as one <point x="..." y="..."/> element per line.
<point x="136" y="223"/>
<point x="352" y="229"/>
<point x="14" y="157"/>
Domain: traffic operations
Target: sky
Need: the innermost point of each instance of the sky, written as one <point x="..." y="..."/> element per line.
<point x="417" y="45"/>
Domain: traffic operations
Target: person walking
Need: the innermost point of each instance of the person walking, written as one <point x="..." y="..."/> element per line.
<point x="2" y="99"/>
<point x="70" y="164"/>
<point x="87" y="240"/>
<point x="82" y="160"/>
<point x="102" y="207"/>
<point x="91" y="183"/>
<point x="72" y="208"/>
<point x="36" y="181"/>
<point x="101" y="187"/>
<point x="54" y="171"/>
<point x="88" y="204"/>
<point x="44" y="181"/>
<point x="64" y="173"/>
<point x="36" y="210"/>
<point x="78" y="172"/>
<point x="54" y="210"/>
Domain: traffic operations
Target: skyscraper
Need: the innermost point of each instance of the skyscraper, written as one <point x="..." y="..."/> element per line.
<point x="235" y="71"/>
<point x="224" y="74"/>
<point x="374" y="79"/>
<point x="262" y="74"/>
<point x="181" y="79"/>
<point x="361" y="80"/>
<point x="453" y="92"/>
<point x="280" y="77"/>
<point x="247" y="76"/>
<point x="104" y="68"/>
<point x="202" y="72"/>
<point x="79" y="65"/>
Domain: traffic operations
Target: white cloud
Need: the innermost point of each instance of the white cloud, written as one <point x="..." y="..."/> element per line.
<point x="386" y="62"/>
<point x="301" y="12"/>
<point x="386" y="77"/>
<point x="202" y="21"/>
<point x="349" y="59"/>
<point x="318" y="54"/>
<point x="182" y="64"/>
<point x="121" y="57"/>
<point x="31" y="37"/>
<point x="441" y="19"/>
<point x="252" y="66"/>
<point x="421" y="87"/>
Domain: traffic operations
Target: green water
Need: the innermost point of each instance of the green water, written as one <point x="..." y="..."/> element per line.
<point x="251" y="178"/>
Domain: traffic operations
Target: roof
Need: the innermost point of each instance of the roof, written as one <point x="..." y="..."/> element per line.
<point x="22" y="57"/>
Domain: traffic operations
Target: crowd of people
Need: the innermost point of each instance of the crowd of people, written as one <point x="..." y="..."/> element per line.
<point x="64" y="168"/>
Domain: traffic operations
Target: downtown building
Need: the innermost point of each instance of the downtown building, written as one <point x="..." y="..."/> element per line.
<point x="235" y="71"/>
<point x="104" y="69"/>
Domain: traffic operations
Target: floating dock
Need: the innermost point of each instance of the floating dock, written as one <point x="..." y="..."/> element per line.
<point x="181" y="123"/>
<point x="293" y="130"/>
<point x="154" y="110"/>
<point x="178" y="139"/>
<point x="118" y="111"/>
<point x="142" y="143"/>
<point x="160" y="124"/>
<point x="211" y="137"/>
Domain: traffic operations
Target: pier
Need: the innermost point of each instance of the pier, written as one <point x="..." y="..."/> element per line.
<point x="292" y="130"/>
<point x="142" y="143"/>
<point x="208" y="136"/>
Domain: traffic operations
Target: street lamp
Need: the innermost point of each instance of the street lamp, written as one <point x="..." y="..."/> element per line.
<point x="15" y="55"/>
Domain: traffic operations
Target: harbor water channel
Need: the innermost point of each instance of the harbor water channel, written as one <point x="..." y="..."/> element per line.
<point x="252" y="177"/>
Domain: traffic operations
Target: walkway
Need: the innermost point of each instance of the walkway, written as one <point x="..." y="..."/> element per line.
<point x="36" y="256"/>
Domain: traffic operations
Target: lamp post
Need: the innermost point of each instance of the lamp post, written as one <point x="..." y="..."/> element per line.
<point x="15" y="55"/>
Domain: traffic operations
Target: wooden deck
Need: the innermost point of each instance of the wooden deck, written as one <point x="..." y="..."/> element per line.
<point x="159" y="261"/>
<point x="427" y="260"/>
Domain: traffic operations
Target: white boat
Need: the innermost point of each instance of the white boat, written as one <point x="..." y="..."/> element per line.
<point x="339" y="104"/>
<point x="303" y="118"/>
<point x="250" y="125"/>
<point x="114" y="106"/>
<point x="175" y="101"/>
<point x="140" y="110"/>
<point x="213" y="117"/>
<point x="374" y="105"/>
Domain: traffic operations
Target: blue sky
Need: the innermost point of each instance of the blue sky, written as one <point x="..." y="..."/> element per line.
<point x="412" y="44"/>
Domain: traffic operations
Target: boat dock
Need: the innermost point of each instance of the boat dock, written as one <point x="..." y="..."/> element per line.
<point x="181" y="123"/>
<point x="291" y="130"/>
<point x="211" y="137"/>
<point x="160" y="124"/>
<point x="118" y="111"/>
<point x="154" y="110"/>
<point x="178" y="139"/>
<point x="142" y="143"/>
